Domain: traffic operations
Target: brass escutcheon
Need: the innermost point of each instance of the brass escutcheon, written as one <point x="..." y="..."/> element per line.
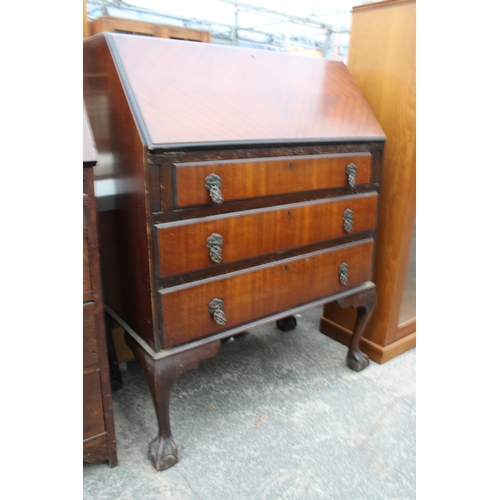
<point x="344" y="273"/>
<point x="216" y="309"/>
<point x="348" y="217"/>
<point x="213" y="184"/>
<point x="351" y="174"/>
<point x="214" y="244"/>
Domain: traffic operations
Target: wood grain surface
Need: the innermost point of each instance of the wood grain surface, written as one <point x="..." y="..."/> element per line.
<point x="131" y="295"/>
<point x="87" y="283"/>
<point x="90" y="345"/>
<point x="258" y="292"/>
<point x="182" y="246"/>
<point x="382" y="61"/>
<point x="95" y="448"/>
<point x="256" y="178"/>
<point x="185" y="93"/>
<point x="93" y="414"/>
<point x="98" y="424"/>
<point x="136" y="27"/>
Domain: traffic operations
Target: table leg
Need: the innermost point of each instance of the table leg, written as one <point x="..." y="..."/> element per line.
<point x="364" y="302"/>
<point x="161" y="374"/>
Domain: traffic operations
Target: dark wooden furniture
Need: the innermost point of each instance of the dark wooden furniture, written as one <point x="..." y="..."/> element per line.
<point x="382" y="63"/>
<point x="246" y="190"/>
<point x="98" y="424"/>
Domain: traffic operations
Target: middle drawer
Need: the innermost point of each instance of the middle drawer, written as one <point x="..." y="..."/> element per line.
<point x="185" y="246"/>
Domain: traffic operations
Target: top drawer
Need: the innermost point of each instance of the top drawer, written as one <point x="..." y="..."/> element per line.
<point x="205" y="183"/>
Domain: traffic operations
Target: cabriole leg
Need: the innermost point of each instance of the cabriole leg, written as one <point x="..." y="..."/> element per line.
<point x="161" y="374"/>
<point x="364" y="303"/>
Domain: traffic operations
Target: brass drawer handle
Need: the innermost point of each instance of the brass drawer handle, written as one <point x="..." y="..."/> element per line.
<point x="213" y="184"/>
<point x="216" y="309"/>
<point x="351" y="174"/>
<point x="344" y="273"/>
<point x="348" y="217"/>
<point x="214" y="244"/>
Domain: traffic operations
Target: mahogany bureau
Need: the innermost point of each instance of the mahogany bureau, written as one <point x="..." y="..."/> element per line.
<point x="98" y="424"/>
<point x="242" y="188"/>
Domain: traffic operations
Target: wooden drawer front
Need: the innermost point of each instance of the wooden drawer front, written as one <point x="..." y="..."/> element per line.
<point x="252" y="294"/>
<point x="85" y="208"/>
<point x="183" y="245"/>
<point x="254" y="178"/>
<point x="93" y="416"/>
<point x="95" y="449"/>
<point x="90" y="349"/>
<point x="87" y="284"/>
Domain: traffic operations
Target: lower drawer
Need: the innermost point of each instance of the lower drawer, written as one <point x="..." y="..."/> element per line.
<point x="254" y="293"/>
<point x="90" y="348"/>
<point x="95" y="448"/>
<point x="87" y="283"/>
<point x="93" y="415"/>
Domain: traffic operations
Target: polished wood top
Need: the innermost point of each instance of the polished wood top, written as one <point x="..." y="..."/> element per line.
<point x="89" y="150"/>
<point x="185" y="93"/>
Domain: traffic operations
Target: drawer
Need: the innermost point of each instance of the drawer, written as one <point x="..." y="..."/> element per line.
<point x="95" y="449"/>
<point x="93" y="416"/>
<point x="90" y="349"/>
<point x="261" y="291"/>
<point x="87" y="284"/>
<point x="85" y="210"/>
<point x="196" y="244"/>
<point x="258" y="177"/>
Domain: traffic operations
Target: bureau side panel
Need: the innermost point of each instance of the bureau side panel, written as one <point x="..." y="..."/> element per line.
<point x="124" y="226"/>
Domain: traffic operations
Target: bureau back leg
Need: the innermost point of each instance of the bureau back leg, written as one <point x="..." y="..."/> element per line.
<point x="161" y="374"/>
<point x="364" y="302"/>
<point x="287" y="324"/>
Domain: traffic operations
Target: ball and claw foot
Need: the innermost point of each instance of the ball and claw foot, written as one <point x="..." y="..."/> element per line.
<point x="357" y="361"/>
<point x="287" y="324"/>
<point x="162" y="453"/>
